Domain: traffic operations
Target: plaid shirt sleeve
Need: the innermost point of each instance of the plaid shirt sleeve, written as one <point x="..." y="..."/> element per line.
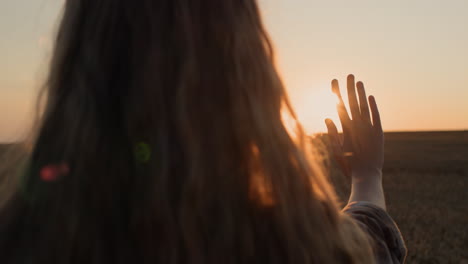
<point x="388" y="243"/>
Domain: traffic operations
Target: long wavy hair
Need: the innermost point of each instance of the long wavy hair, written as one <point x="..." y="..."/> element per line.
<point x="168" y="117"/>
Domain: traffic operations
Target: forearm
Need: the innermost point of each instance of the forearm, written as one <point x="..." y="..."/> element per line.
<point x="368" y="188"/>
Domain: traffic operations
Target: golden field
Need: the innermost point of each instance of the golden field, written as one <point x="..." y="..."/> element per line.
<point x="426" y="186"/>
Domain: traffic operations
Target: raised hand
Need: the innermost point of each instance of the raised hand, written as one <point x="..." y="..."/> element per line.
<point x="360" y="150"/>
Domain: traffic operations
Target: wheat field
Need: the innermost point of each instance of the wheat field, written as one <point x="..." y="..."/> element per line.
<point x="426" y="187"/>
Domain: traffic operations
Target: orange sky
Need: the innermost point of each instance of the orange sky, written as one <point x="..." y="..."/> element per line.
<point x="412" y="55"/>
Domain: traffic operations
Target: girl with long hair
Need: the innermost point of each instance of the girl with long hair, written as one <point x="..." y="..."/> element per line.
<point x="160" y="139"/>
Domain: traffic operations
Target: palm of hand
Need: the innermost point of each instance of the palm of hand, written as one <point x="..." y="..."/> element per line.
<point x="360" y="149"/>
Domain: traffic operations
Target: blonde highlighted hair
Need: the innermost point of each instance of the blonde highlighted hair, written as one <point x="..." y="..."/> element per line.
<point x="195" y="82"/>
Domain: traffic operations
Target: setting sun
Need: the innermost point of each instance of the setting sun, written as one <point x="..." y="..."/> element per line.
<point x="313" y="106"/>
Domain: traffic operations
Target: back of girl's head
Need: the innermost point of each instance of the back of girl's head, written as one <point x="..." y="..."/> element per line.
<point x="167" y="116"/>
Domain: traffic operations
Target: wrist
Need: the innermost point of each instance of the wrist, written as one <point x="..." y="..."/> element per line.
<point x="366" y="186"/>
<point x="368" y="189"/>
<point x="368" y="175"/>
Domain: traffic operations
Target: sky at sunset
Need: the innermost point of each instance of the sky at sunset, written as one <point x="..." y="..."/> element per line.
<point x="411" y="54"/>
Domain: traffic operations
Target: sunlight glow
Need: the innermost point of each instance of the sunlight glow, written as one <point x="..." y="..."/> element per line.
<point x="313" y="106"/>
<point x="289" y="122"/>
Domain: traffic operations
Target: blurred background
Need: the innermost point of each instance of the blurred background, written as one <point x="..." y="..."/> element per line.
<point x="412" y="55"/>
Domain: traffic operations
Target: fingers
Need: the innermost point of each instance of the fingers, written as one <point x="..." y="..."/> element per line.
<point x="333" y="132"/>
<point x="342" y="112"/>
<point x="344" y="117"/>
<point x="364" y="107"/>
<point x="336" y="89"/>
<point x="375" y="113"/>
<point x="353" y="103"/>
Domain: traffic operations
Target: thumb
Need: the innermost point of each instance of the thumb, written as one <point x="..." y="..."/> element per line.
<point x="337" y="147"/>
<point x="334" y="137"/>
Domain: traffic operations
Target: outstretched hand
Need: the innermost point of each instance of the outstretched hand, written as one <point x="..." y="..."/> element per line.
<point x="360" y="151"/>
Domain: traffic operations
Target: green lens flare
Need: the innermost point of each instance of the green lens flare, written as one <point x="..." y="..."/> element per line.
<point x="142" y="152"/>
